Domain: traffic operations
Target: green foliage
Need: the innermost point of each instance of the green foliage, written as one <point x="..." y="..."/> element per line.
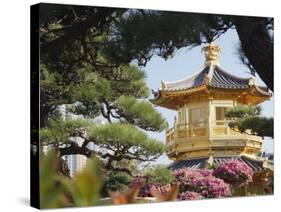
<point x="59" y="191"/>
<point x="53" y="90"/>
<point x="242" y="111"/>
<point x="86" y="186"/>
<point x="92" y="90"/>
<point x="158" y="175"/>
<point x="168" y="32"/>
<point x="52" y="191"/>
<point x="96" y="88"/>
<point x="125" y="140"/>
<point x="128" y="80"/>
<point x="246" y="118"/>
<point x="116" y="181"/>
<point x="263" y="126"/>
<point x="134" y="28"/>
<point x="59" y="130"/>
<point x="140" y="113"/>
<point x="127" y="137"/>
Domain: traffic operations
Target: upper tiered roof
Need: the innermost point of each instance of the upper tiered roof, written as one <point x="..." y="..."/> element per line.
<point x="212" y="75"/>
<point x="211" y="79"/>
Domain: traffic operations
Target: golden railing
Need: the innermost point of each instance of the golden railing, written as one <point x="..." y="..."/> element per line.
<point x="219" y="128"/>
<point x="185" y="130"/>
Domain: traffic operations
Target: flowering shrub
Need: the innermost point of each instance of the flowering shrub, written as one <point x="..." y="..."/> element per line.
<point x="203" y="182"/>
<point x="210" y="187"/>
<point x="186" y="175"/>
<point x="234" y="172"/>
<point x="193" y="184"/>
<point x="205" y="172"/>
<point x="190" y="195"/>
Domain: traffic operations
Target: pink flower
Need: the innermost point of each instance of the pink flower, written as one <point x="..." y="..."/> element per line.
<point x="203" y="182"/>
<point x="190" y="195"/>
<point x="234" y="172"/>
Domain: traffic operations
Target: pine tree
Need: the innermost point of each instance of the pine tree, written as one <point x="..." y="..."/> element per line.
<point x="82" y="78"/>
<point x="248" y="119"/>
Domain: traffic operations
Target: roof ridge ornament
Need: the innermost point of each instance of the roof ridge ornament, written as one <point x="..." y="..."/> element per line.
<point x="251" y="81"/>
<point x="211" y="52"/>
<point x="211" y="71"/>
<point x="163" y="85"/>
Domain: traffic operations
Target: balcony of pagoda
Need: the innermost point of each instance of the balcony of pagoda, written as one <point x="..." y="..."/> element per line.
<point x="186" y="131"/>
<point x="203" y="137"/>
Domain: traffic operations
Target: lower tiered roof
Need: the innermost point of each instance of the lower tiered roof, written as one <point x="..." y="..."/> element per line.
<point x="192" y="164"/>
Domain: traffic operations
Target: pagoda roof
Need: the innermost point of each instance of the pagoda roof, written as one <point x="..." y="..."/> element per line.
<point x="211" y="75"/>
<point x="193" y="164"/>
<point x="212" y="81"/>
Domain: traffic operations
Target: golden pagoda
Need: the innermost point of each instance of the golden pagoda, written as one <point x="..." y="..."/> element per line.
<point x="200" y="136"/>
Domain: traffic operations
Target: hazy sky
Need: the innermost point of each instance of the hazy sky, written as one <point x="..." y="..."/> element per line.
<point x="186" y="62"/>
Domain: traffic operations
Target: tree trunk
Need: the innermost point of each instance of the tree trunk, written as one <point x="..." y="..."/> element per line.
<point x="257" y="46"/>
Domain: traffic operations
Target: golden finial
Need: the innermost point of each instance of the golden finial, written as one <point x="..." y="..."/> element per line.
<point x="211" y="51"/>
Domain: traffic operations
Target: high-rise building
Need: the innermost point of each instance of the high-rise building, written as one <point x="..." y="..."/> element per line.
<point x="76" y="163"/>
